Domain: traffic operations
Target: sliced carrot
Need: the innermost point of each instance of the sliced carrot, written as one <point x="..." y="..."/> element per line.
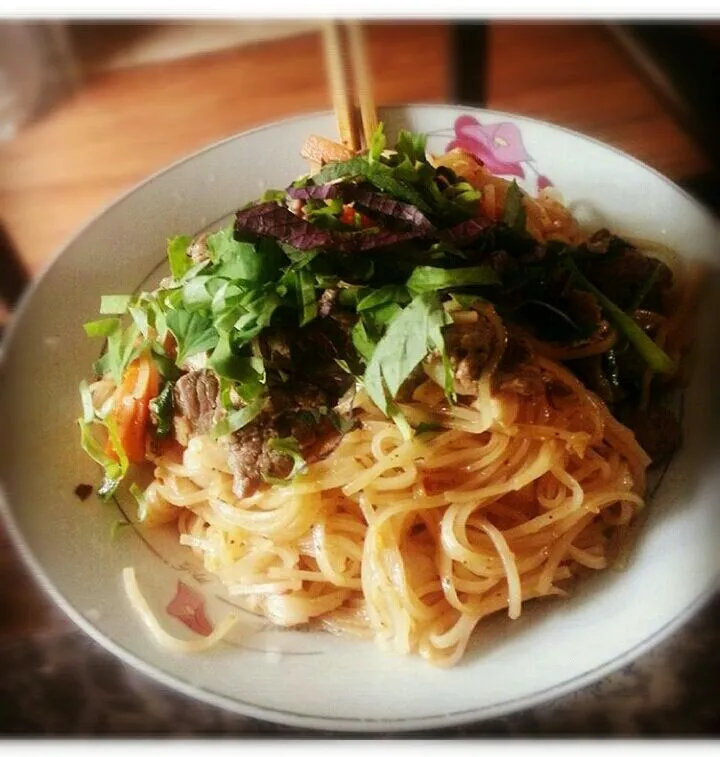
<point x="131" y="413"/>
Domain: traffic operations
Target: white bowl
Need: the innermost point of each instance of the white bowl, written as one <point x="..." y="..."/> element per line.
<point x="312" y="679"/>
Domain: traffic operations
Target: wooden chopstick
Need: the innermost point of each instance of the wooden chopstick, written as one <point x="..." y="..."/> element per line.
<point x="340" y="92"/>
<point x="362" y="81"/>
<point x="350" y="83"/>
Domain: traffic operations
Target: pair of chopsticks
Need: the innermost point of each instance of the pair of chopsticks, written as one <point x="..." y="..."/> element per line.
<point x="350" y="83"/>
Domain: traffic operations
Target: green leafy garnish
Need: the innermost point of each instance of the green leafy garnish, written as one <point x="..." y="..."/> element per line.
<point x="193" y="331"/>
<point x="378" y="142"/>
<point x="178" y="258"/>
<point x="247" y="370"/>
<point x="514" y="215"/>
<point x="429" y="279"/>
<point x="114" y="468"/>
<point x="287" y="446"/>
<point x="161" y="408"/>
<point x="103" y="327"/>
<point x="114" y="304"/>
<point x="378" y="174"/>
<point x="657" y="360"/>
<point x="414" y="333"/>
<point x="238" y="419"/>
<point x="384" y="296"/>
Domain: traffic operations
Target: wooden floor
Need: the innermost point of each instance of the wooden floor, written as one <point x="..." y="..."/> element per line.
<point x="126" y="124"/>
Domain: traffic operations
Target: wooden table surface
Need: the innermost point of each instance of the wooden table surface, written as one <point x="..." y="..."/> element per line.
<point x="123" y="125"/>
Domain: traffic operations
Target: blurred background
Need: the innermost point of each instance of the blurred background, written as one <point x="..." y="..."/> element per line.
<point x="89" y="109"/>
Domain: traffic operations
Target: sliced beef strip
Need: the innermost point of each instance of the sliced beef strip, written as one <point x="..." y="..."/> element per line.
<point x="291" y="410"/>
<point x="303" y="376"/>
<point x="311" y="353"/>
<point x="287" y="414"/>
<point x="622" y="275"/>
<point x="516" y="372"/>
<point x="250" y="457"/>
<point x="469" y="345"/>
<point x="195" y="396"/>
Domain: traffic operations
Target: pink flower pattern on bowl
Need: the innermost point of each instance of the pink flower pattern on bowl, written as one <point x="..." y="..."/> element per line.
<point x="499" y="146"/>
<point x="188" y="606"/>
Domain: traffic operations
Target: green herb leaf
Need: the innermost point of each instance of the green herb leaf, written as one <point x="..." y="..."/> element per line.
<point x="415" y="332"/>
<point x="178" y="258"/>
<point x="287" y="446"/>
<point x="658" y="361"/>
<point x="161" y="409"/>
<point x="238" y="419"/>
<point x="306" y="296"/>
<point x="378" y="174"/>
<point x="193" y="332"/>
<point x="103" y="327"/>
<point x="514" y="215"/>
<point x="384" y="296"/>
<point x="122" y="348"/>
<point x="411" y="145"/>
<point x="274" y="195"/>
<point x="140" y="319"/>
<point x="247" y="371"/>
<point x="377" y="144"/>
<point x="114" y="304"/>
<point x="362" y="341"/>
<point x="429" y="279"/>
<point x="167" y="368"/>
